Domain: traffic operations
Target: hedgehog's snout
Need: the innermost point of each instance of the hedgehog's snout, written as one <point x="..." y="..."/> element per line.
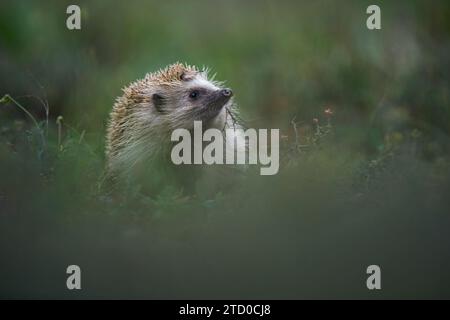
<point x="221" y="97"/>
<point x="227" y="92"/>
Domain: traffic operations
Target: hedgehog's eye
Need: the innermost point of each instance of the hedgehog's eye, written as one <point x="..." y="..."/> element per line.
<point x="194" y="94"/>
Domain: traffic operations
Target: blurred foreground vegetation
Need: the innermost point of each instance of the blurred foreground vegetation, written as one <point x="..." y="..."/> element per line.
<point x="366" y="182"/>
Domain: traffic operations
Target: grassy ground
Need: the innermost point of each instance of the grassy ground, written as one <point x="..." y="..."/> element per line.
<point x="371" y="187"/>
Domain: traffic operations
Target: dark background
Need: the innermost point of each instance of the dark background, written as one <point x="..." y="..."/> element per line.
<point x="371" y="187"/>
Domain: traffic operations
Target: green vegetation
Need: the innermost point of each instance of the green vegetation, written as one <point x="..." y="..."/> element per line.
<point x="365" y="168"/>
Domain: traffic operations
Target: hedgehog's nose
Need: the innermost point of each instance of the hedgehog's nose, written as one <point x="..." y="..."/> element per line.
<point x="227" y="92"/>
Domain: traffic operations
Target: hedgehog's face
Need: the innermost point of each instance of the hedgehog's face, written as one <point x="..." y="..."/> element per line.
<point x="193" y="98"/>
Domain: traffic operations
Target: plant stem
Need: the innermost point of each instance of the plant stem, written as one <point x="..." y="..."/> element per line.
<point x="7" y="98"/>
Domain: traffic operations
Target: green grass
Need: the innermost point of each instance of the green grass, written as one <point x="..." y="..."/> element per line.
<point x="328" y="214"/>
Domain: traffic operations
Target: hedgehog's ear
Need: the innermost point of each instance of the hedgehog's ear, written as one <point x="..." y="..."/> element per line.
<point x="185" y="76"/>
<point x="158" y="101"/>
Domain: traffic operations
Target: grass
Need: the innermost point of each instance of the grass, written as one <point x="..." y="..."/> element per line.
<point x="328" y="208"/>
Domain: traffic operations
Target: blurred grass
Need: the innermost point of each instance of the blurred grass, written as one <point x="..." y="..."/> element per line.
<point x="373" y="191"/>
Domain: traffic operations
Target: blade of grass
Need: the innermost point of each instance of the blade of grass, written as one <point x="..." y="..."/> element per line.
<point x="7" y="98"/>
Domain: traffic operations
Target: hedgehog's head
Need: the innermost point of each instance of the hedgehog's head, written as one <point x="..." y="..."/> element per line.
<point x="179" y="95"/>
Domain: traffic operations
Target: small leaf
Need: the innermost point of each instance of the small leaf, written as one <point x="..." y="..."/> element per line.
<point x="5" y="99"/>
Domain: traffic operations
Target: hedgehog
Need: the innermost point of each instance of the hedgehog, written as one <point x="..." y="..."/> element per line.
<point x="143" y="118"/>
